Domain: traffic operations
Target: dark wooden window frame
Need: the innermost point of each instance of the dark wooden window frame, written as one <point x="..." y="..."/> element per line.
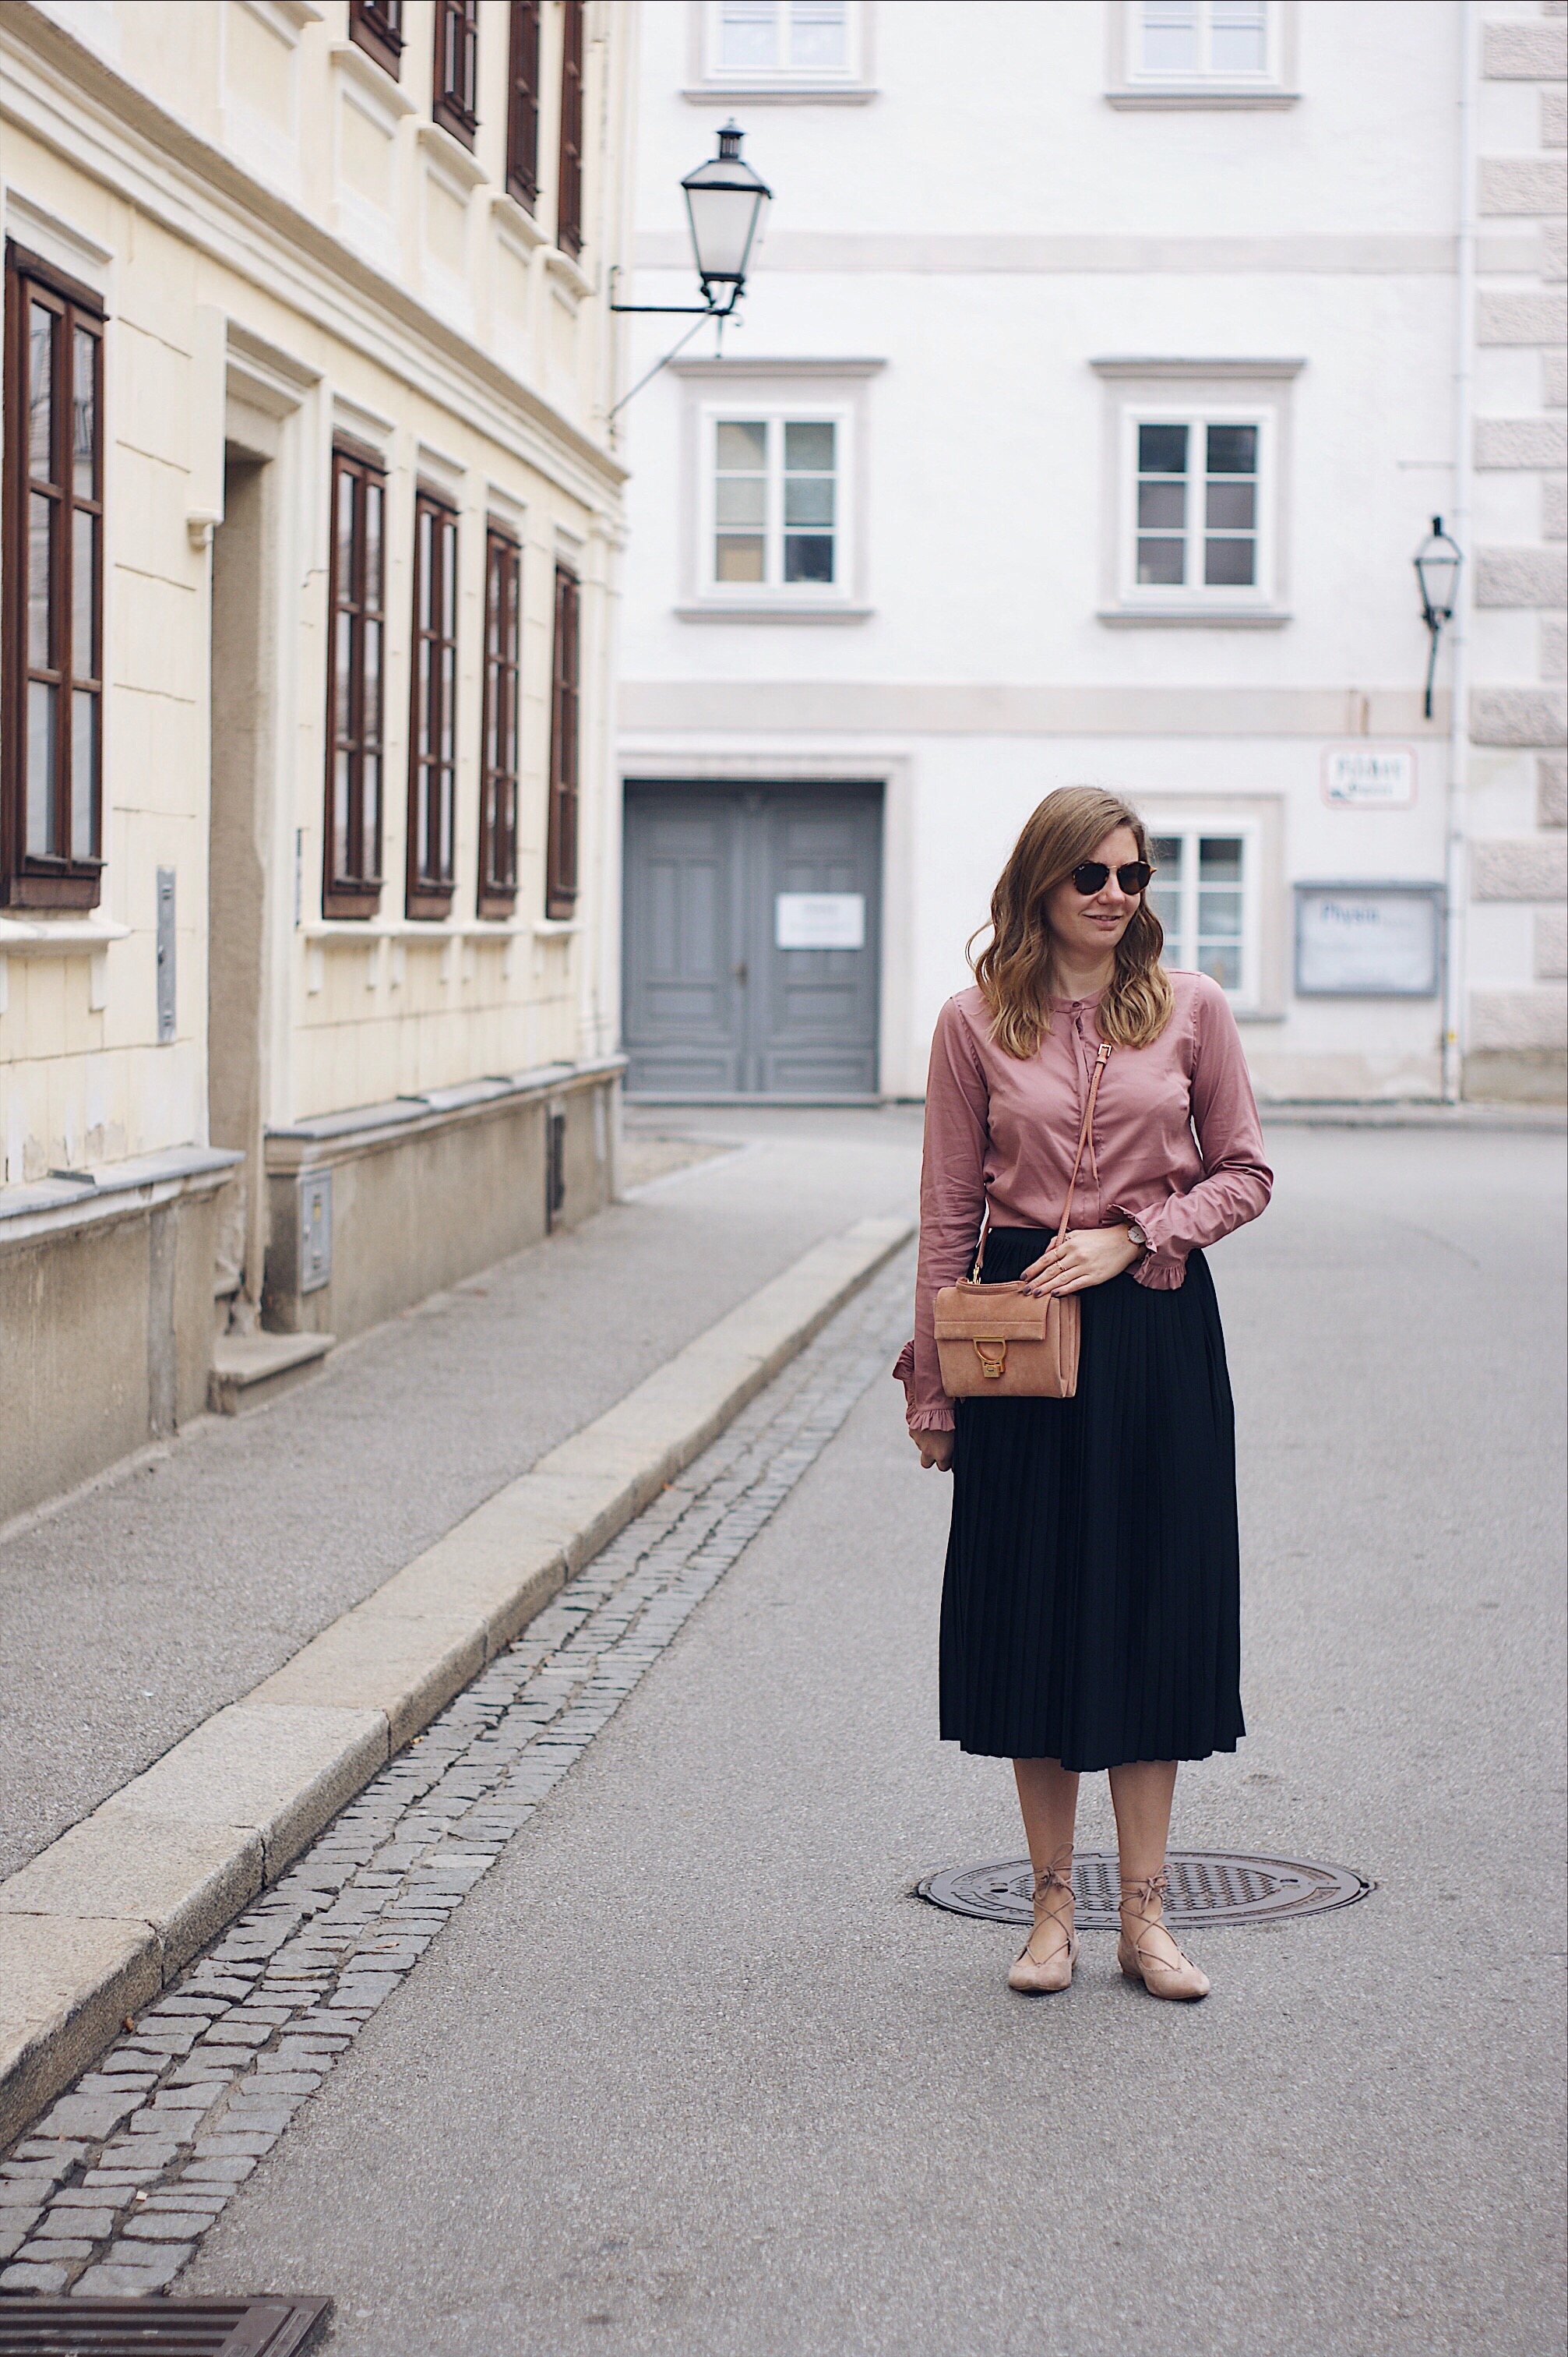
<point x="67" y="874"/>
<point x="565" y="702"/>
<point x="569" y="182"/>
<point x="499" y="750"/>
<point x="522" y="103"/>
<point x="433" y="707"/>
<point x="455" y="102"/>
<point x="355" y="626"/>
<point x="376" y="26"/>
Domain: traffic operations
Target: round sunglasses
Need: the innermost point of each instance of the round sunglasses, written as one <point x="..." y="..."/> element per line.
<point x="1092" y="876"/>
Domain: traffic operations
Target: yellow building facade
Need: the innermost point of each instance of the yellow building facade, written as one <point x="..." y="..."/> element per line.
<point x="310" y="523"/>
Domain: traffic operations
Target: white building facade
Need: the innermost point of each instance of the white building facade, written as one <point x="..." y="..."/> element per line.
<point x="1102" y="368"/>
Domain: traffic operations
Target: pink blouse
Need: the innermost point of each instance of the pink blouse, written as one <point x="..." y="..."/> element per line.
<point x="1004" y="1130"/>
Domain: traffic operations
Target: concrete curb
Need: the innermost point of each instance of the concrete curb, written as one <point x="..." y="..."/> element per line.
<point x="94" y="1926"/>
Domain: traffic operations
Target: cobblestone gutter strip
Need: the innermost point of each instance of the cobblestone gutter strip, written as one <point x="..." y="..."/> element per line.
<point x="97" y="1923"/>
<point x="114" y="2189"/>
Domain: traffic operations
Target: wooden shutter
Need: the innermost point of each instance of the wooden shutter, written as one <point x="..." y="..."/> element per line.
<point x="376" y="26"/>
<point x="561" y="849"/>
<point x="455" y="104"/>
<point x="569" y="207"/>
<point x="523" y="104"/>
<point x="51" y="800"/>
<point x="351" y="871"/>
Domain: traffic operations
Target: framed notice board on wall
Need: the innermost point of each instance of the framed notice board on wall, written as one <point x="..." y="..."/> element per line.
<point x="1369" y="941"/>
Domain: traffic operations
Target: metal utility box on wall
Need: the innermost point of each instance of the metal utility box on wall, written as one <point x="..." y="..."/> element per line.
<point x="166" y="955"/>
<point x="314" y="1230"/>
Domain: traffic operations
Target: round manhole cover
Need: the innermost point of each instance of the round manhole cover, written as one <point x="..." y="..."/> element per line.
<point x="1208" y="1885"/>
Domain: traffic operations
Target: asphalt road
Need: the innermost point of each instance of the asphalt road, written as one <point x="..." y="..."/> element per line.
<point x="693" y="2072"/>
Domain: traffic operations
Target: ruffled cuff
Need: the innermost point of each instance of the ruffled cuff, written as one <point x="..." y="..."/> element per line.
<point x="917" y="1418"/>
<point x="1162" y="1271"/>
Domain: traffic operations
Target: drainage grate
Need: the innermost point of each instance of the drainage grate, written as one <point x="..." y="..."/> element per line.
<point x="159" y="2327"/>
<point x="1208" y="1885"/>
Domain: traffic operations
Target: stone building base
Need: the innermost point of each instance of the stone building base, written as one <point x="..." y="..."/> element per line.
<point x="1517" y="1075"/>
<point x="426" y="1191"/>
<point x="106" y="1311"/>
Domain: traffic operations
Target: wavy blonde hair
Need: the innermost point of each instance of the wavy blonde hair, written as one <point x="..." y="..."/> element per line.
<point x="1016" y="969"/>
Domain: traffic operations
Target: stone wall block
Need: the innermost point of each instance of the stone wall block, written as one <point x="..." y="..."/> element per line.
<point x="1551" y="790"/>
<point x="1523" y="184"/>
<point x="1553" y="380"/>
<point x="1521" y="577"/>
<point x="1518" y="1018"/>
<point x="1553" y="647"/>
<point x="1554" y="249"/>
<point x="1523" y="48"/>
<point x="1554" y="118"/>
<point x="1519" y="867"/>
<point x="1516" y="716"/>
<point x="1522" y="320"/>
<point x="1520" y="442"/>
<point x="1551" y="944"/>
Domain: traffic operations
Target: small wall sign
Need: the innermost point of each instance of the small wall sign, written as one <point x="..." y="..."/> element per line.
<point x="819" y="920"/>
<point x="1368" y="941"/>
<point x="1368" y="777"/>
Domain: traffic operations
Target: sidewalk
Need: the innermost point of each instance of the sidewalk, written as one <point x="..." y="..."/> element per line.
<point x="144" y="1605"/>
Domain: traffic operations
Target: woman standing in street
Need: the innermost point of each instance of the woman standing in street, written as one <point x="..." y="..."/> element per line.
<point x="1091" y="1606"/>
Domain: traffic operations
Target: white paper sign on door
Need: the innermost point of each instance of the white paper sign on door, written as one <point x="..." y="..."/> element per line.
<point x="819" y="920"/>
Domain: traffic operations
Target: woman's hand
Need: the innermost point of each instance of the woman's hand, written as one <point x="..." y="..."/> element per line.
<point x="936" y="1449"/>
<point x="1084" y="1257"/>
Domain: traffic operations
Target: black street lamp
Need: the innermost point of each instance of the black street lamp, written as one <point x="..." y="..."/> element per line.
<point x="1437" y="563"/>
<point x="724" y="204"/>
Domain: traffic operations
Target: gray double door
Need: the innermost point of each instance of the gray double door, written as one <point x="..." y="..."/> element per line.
<point x="752" y="941"/>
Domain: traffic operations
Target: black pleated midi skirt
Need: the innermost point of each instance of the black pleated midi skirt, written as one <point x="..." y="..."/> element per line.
<point x="1090" y="1606"/>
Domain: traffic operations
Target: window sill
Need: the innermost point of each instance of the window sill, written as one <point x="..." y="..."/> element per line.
<point x="751" y="93"/>
<point x="67" y="937"/>
<point x="423" y="932"/>
<point x="449" y="155"/>
<point x="714" y="610"/>
<point x="515" y="222"/>
<point x="1193" y="618"/>
<point x="379" y="81"/>
<point x="573" y="276"/>
<point x="1186" y="98"/>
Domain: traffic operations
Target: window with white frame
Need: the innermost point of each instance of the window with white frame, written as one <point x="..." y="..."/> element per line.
<point x="1198" y="509"/>
<point x="1194" y="41"/>
<point x="1205" y="896"/>
<point x="786" y="41"/>
<point x="775" y="521"/>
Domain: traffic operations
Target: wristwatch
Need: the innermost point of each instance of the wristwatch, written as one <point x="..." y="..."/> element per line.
<point x="1137" y="1235"/>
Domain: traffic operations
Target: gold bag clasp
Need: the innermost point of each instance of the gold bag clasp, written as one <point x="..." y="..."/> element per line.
<point x="992" y="1366"/>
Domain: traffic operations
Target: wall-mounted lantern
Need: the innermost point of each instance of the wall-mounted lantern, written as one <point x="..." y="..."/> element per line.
<point x="724" y="204"/>
<point x="1437" y="563"/>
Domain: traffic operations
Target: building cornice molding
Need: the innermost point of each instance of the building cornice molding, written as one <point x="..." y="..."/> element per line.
<point x="55" y="89"/>
<point x="980" y="253"/>
<point x="751" y="711"/>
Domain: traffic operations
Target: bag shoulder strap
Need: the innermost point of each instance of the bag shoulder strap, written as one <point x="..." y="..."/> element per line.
<point x="1100" y="1061"/>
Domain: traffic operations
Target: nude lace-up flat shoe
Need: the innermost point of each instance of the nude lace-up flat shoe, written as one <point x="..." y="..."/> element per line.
<point x="1037" y="1971"/>
<point x="1137" y="1957"/>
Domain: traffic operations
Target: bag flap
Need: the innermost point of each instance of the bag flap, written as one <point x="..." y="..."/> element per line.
<point x="990" y="1313"/>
